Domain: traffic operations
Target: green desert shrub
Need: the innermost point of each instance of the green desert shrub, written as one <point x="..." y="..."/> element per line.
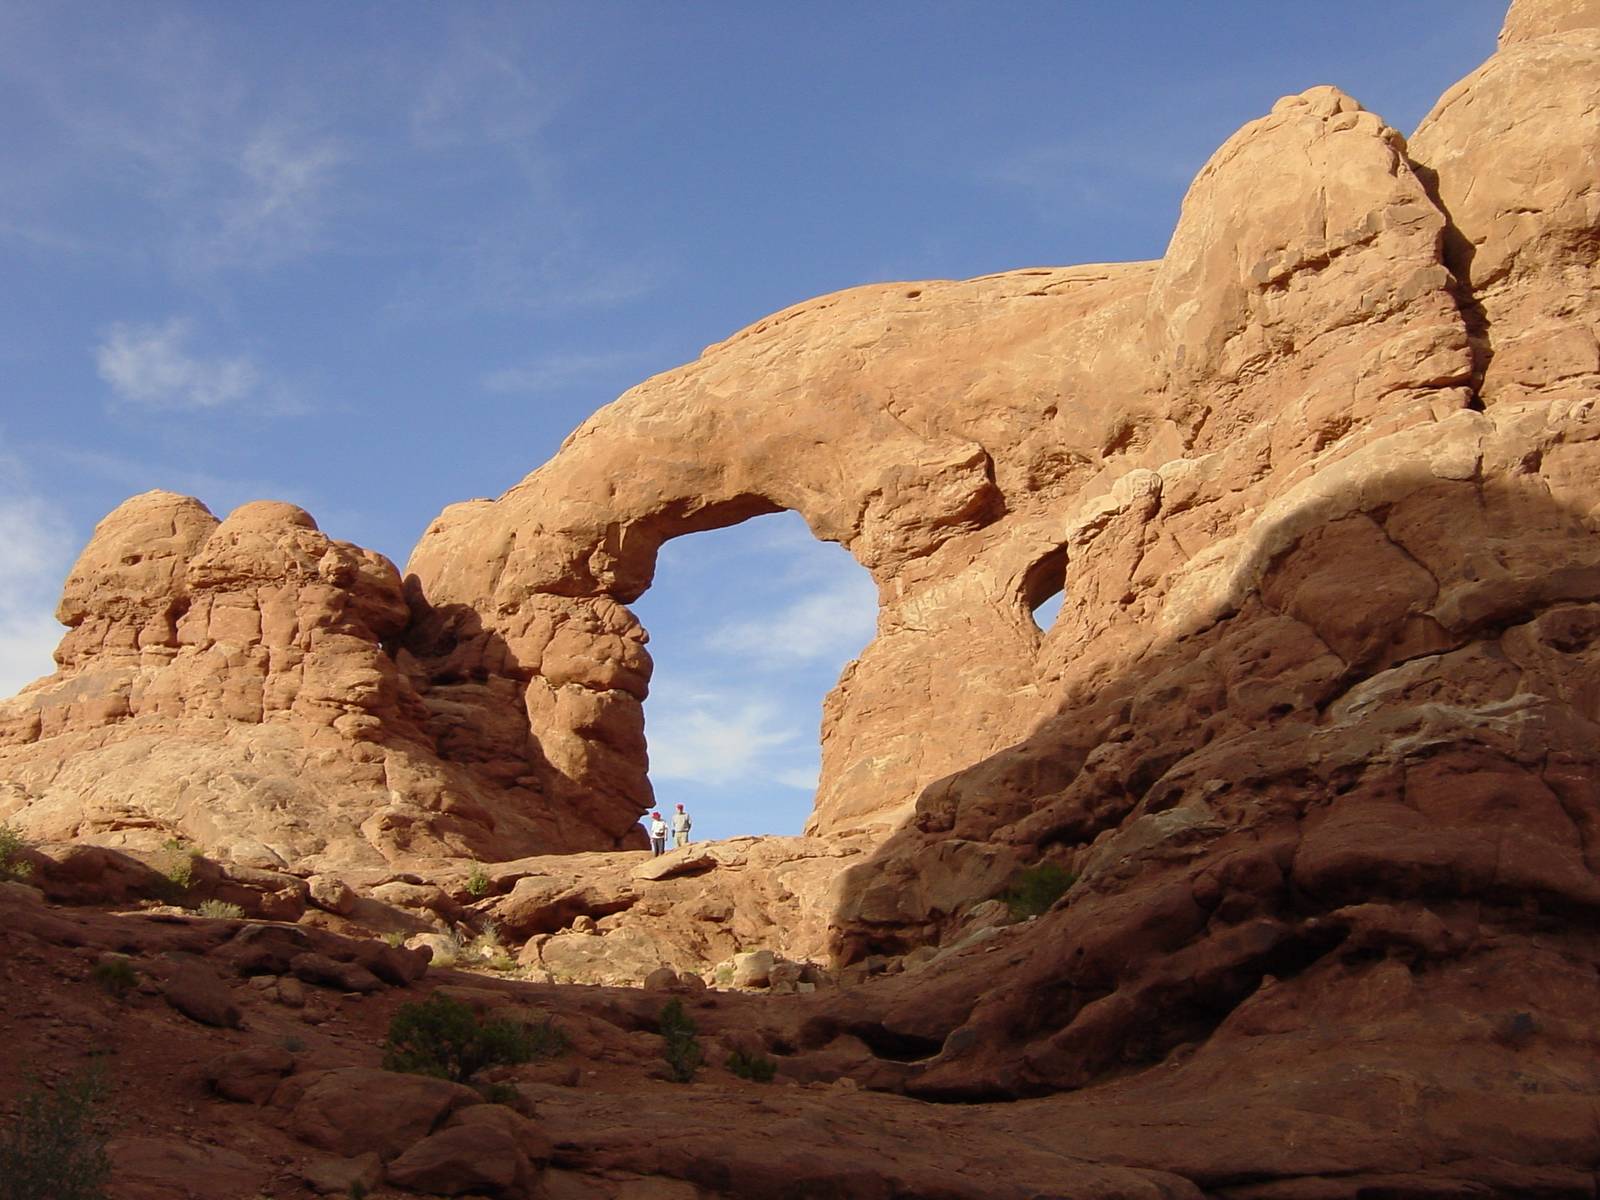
<point x="757" y="1067"/>
<point x="116" y="976"/>
<point x="501" y="1093"/>
<point x="55" y="1149"/>
<point x="477" y="881"/>
<point x="221" y="910"/>
<point x="446" y="1039"/>
<point x="12" y="865"/>
<point x="176" y="867"/>
<point x="682" y="1049"/>
<point x="1035" y="889"/>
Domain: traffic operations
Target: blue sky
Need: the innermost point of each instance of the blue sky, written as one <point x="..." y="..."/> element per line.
<point x="376" y="258"/>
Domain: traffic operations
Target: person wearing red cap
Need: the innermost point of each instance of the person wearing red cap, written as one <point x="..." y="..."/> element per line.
<point x="658" y="834"/>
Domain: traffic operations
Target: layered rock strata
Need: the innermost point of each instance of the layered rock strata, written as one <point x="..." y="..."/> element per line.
<point x="1339" y="431"/>
<point x="1313" y="738"/>
<point x="234" y="684"/>
<point x="1320" y="746"/>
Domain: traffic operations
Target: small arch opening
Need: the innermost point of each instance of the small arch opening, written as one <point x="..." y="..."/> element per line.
<point x="1044" y="588"/>
<point x="750" y="627"/>
<point x="1049" y="609"/>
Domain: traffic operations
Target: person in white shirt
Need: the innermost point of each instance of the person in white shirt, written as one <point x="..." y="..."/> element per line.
<point x="680" y="828"/>
<point x="658" y="834"/>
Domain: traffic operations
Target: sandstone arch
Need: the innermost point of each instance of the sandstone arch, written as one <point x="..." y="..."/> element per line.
<point x="953" y="436"/>
<point x="962" y="438"/>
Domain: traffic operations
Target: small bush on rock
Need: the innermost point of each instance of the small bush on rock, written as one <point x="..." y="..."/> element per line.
<point x="1035" y="889"/>
<point x="177" y="868"/>
<point x="446" y="1039"/>
<point x="12" y="865"/>
<point x="477" y="881"/>
<point x="220" y="909"/>
<point x="682" y="1050"/>
<point x="756" y="1067"/>
<point x="501" y="1093"/>
<point x="56" y="1147"/>
<point x="116" y="976"/>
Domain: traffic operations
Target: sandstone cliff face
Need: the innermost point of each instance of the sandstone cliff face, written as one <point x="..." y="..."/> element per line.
<point x="964" y="441"/>
<point x="1320" y="744"/>
<point x="228" y="683"/>
<point x="902" y="421"/>
<point x="1339" y="430"/>
<point x="1316" y="733"/>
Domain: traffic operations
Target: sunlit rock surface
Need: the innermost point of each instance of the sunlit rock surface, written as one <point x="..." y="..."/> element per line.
<point x="1313" y="738"/>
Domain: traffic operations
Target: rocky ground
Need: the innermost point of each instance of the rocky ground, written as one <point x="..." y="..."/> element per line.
<point x="241" y="1059"/>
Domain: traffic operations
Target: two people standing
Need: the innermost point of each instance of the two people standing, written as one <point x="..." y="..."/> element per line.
<point x="681" y="825"/>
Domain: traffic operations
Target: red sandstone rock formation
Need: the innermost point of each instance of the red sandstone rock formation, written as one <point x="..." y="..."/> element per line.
<point x="1335" y="312"/>
<point x="1315" y="732"/>
<point x="229" y="683"/>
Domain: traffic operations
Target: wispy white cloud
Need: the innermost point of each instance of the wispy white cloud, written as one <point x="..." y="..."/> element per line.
<point x="778" y="554"/>
<point x="27" y="638"/>
<point x="537" y="259"/>
<point x="829" y="623"/>
<point x="152" y="366"/>
<point x="1071" y="177"/>
<point x="749" y="627"/>
<point x="206" y="165"/>
<point x="275" y="194"/>
<point x="477" y="89"/>
<point x="155" y="140"/>
<point x="802" y="779"/>
<point x="715" y="737"/>
<point x="558" y="371"/>
<point x="34" y="556"/>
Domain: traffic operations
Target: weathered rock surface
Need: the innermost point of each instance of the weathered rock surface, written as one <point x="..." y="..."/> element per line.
<point x="971" y="443"/>
<point x="200" y="994"/>
<point x="1315" y="736"/>
<point x="356" y="1110"/>
<point x="968" y="442"/>
<point x="249" y="1076"/>
<point x="1320" y="746"/>
<point x="616" y="918"/>
<point x="228" y="683"/>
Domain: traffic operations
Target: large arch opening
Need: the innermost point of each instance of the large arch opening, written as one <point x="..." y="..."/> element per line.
<point x="750" y="627"/>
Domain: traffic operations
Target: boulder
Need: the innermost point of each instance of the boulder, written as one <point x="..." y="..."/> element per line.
<point x="474" y="1158"/>
<point x="200" y="994"/>
<point x="250" y="1075"/>
<point x="331" y="894"/>
<point x="331" y="1175"/>
<point x="662" y="979"/>
<point x="753" y="969"/>
<point x="360" y="1110"/>
<point x="323" y="971"/>
<point x="687" y="860"/>
<point x="392" y="964"/>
